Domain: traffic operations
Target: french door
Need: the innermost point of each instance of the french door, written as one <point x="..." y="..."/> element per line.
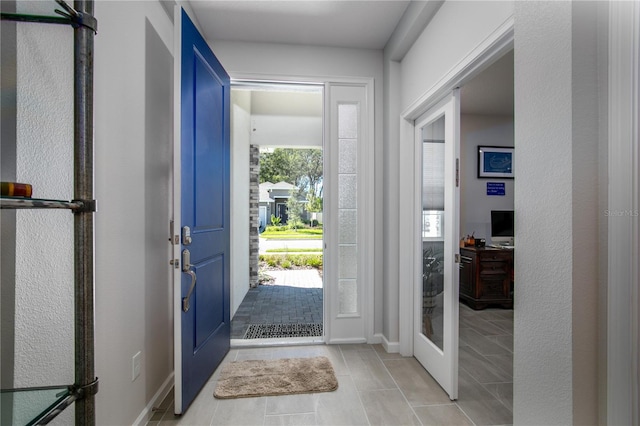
<point x="436" y="232"/>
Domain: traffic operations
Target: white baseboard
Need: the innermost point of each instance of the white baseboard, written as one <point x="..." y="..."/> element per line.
<point x="390" y="347"/>
<point x="347" y="341"/>
<point x="157" y="399"/>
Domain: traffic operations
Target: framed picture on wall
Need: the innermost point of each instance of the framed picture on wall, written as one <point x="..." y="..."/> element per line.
<point x="495" y="162"/>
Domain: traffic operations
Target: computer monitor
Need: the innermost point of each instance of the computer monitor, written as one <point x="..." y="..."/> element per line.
<point x="502" y="227"/>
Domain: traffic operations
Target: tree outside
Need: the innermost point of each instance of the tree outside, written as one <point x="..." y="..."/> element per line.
<point x="300" y="167"/>
<point x="294" y="210"/>
<point x="303" y="169"/>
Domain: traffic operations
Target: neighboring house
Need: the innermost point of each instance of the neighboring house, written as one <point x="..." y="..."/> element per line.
<point x="273" y="201"/>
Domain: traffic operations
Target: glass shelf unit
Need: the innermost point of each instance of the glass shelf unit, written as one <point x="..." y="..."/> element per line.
<point x="39" y="405"/>
<point x="32" y="406"/>
<point x="37" y="203"/>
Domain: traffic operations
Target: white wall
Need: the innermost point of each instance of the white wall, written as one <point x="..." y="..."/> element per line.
<point x="475" y="204"/>
<point x="291" y="119"/>
<point x="555" y="344"/>
<point x="240" y="142"/>
<point x="133" y="125"/>
<point x="439" y="49"/>
<point x="287" y="131"/>
<point x="317" y="64"/>
<point x="442" y="45"/>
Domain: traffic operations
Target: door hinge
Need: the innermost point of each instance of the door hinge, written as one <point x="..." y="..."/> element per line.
<point x="457" y="172"/>
<point x="457" y="258"/>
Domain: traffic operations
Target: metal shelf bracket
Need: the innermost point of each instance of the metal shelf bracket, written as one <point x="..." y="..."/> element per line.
<point x="84" y="391"/>
<point x="70" y="16"/>
<point x="78" y="19"/>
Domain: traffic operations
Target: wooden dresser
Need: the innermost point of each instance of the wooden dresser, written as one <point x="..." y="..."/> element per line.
<point x="486" y="277"/>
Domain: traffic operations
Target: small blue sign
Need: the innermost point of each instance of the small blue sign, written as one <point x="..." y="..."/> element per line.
<point x="495" y="188"/>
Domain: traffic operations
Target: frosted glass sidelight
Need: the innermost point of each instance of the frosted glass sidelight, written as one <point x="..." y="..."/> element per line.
<point x="348" y="296"/>
<point x="348" y="262"/>
<point x="348" y="140"/>
<point x="347" y="189"/>
<point x="348" y="159"/>
<point x="347" y="121"/>
<point x="348" y="226"/>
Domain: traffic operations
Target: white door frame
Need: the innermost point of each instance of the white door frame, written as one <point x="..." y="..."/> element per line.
<point x="366" y="253"/>
<point x="493" y="47"/>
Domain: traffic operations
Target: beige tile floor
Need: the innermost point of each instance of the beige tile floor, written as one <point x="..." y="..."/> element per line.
<point x="377" y="388"/>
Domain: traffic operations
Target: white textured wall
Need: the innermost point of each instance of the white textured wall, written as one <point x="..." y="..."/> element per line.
<point x="475" y="204"/>
<point x="44" y="239"/>
<point x="240" y="142"/>
<point x="556" y="113"/>
<point x="133" y="303"/>
<point x="543" y="261"/>
<point x="452" y="34"/>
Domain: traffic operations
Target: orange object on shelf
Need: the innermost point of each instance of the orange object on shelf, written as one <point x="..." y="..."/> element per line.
<point x="15" y="189"/>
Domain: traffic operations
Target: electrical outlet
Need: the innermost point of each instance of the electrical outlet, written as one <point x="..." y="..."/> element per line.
<point x="135" y="364"/>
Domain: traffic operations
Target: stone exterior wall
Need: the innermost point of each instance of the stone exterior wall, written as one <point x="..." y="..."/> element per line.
<point x="254" y="211"/>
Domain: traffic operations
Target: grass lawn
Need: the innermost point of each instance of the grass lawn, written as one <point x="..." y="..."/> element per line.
<point x="295" y="250"/>
<point x="289" y="234"/>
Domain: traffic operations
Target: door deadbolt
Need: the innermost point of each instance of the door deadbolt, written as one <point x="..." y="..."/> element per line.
<point x="186" y="235"/>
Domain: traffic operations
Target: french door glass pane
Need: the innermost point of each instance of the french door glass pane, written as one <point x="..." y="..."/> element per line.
<point x="432" y="233"/>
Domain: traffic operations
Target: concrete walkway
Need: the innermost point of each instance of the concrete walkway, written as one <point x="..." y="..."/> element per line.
<point x="299" y="278"/>
<point x="295" y="297"/>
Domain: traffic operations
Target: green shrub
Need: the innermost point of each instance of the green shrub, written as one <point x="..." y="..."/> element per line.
<point x="315" y="261"/>
<point x="294" y="224"/>
<point x="286" y="261"/>
<point x="273" y="261"/>
<point x="286" y="264"/>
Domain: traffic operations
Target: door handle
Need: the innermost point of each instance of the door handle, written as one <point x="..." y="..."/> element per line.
<point x="186" y="268"/>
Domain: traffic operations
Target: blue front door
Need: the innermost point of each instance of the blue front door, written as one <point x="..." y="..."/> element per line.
<point x="204" y="313"/>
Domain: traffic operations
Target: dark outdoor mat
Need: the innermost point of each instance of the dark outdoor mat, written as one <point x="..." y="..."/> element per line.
<point x="271" y="331"/>
<point x="251" y="378"/>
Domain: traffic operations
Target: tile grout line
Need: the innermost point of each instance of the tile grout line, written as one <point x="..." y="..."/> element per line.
<point x="364" y="410"/>
<point x="465" y="413"/>
<point x="399" y="389"/>
<point x="487" y="390"/>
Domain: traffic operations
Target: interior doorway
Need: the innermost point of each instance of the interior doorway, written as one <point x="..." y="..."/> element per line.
<point x="485" y="361"/>
<point x="277" y="138"/>
<point x="486" y="321"/>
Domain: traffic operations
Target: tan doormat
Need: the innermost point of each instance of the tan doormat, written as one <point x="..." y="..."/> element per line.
<point x="244" y="379"/>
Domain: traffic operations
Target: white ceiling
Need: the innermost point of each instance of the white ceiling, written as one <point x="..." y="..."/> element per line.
<point x="490" y="92"/>
<point x="365" y="24"/>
